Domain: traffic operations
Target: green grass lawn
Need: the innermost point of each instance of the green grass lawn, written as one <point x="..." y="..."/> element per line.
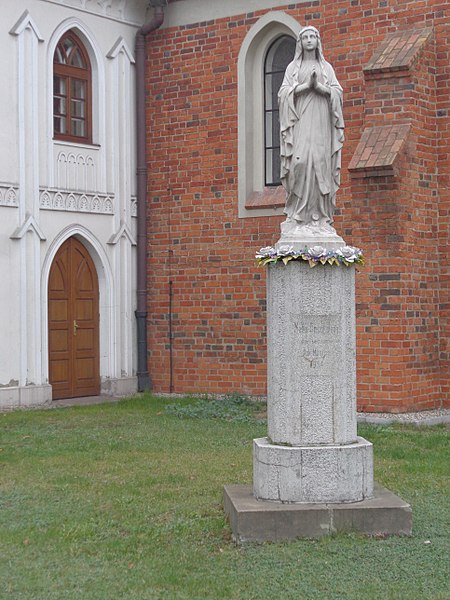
<point x="124" y="500"/>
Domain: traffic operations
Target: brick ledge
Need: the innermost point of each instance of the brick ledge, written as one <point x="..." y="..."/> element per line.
<point x="378" y="150"/>
<point x="269" y="197"/>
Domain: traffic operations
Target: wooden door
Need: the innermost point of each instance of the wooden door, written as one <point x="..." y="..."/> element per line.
<point x="73" y="322"/>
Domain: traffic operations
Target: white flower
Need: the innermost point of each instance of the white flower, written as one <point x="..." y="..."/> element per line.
<point x="349" y="253"/>
<point x="317" y="251"/>
<point x="266" y="251"/>
<point x="284" y="250"/>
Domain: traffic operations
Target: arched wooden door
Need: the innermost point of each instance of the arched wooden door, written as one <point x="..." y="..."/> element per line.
<point x="73" y="323"/>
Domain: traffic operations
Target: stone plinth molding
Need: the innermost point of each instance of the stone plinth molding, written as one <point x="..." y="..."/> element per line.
<point x="314" y="473"/>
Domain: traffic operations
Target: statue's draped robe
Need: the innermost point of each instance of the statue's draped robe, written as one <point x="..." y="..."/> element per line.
<point x="311" y="137"/>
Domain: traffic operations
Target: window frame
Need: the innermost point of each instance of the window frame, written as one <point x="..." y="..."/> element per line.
<point x="71" y="73"/>
<point x="268" y="89"/>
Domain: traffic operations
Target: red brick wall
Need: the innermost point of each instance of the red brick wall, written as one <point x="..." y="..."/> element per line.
<point x="398" y="322"/>
<point x="200" y="261"/>
<point x="442" y="141"/>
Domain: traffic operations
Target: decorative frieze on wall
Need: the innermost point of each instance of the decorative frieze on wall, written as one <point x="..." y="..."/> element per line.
<point x="127" y="11"/>
<point x="9" y="195"/>
<point x="76" y="171"/>
<point x="75" y="201"/>
<point x="66" y="200"/>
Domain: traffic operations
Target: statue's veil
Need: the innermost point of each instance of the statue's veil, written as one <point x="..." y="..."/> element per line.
<point x="298" y="58"/>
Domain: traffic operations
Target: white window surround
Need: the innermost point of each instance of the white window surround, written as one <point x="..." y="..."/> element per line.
<point x="98" y="86"/>
<point x="251" y="107"/>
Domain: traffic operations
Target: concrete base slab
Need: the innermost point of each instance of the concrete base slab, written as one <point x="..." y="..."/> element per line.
<point x="26" y="396"/>
<point x="255" y="520"/>
<point x="120" y="386"/>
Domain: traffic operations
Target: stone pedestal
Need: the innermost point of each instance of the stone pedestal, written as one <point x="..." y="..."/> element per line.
<point x="311" y="354"/>
<point x="312" y="452"/>
<point x="312" y="464"/>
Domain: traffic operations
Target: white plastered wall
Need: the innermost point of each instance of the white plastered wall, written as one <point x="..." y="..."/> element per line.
<point x="51" y="190"/>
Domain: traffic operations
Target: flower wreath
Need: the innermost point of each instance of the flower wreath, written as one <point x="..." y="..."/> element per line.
<point x="317" y="255"/>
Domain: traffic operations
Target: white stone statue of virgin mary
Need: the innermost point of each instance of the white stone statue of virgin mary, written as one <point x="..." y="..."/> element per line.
<point x="311" y="136"/>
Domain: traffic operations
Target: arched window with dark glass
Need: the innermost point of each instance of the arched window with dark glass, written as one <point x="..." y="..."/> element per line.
<point x="72" y="83"/>
<point x="279" y="55"/>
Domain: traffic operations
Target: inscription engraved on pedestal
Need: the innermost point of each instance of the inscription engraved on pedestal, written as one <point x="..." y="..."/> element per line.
<point x="315" y="341"/>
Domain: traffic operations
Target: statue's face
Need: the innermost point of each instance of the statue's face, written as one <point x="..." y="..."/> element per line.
<point x="309" y="40"/>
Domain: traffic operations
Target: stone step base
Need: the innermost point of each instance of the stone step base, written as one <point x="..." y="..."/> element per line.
<point x="262" y="521"/>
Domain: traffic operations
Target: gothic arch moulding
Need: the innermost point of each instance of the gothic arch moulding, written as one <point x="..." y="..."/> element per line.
<point x="106" y="291"/>
<point x="98" y="75"/>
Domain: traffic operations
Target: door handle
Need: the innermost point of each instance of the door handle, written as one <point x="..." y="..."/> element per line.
<point x="75" y="327"/>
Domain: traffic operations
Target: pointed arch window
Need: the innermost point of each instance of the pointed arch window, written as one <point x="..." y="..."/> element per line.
<point x="279" y="55"/>
<point x="72" y="90"/>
